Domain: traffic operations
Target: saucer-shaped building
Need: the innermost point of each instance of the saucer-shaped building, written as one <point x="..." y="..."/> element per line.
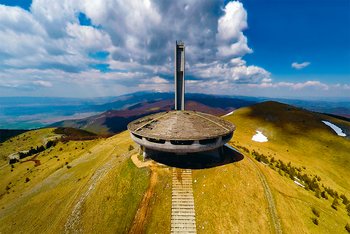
<point x="180" y="131"/>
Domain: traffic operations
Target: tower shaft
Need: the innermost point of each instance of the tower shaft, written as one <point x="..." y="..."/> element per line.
<point x="179" y="76"/>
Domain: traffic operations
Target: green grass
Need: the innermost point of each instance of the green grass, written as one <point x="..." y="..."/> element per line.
<point x="228" y="198"/>
<point x="114" y="202"/>
<point x="160" y="215"/>
<point x="45" y="202"/>
<point x="25" y="141"/>
<point x="299" y="137"/>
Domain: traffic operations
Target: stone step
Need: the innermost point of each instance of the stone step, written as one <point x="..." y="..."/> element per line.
<point x="182" y="177"/>
<point x="183" y="172"/>
<point x="183" y="225"/>
<point x="184" y="195"/>
<point x="183" y="204"/>
<point x="183" y="214"/>
<point x="189" y="212"/>
<point x="186" y="203"/>
<point x="177" y="217"/>
<point x="188" y="182"/>
<point x="183" y="198"/>
<point x="193" y="220"/>
<point x="177" y="187"/>
<point x="183" y="210"/>
<point x="183" y="218"/>
<point x="182" y="190"/>
<point x="181" y="193"/>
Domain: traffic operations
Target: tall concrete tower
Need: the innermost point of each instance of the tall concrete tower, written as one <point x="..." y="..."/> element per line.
<point x="179" y="75"/>
<point x="180" y="132"/>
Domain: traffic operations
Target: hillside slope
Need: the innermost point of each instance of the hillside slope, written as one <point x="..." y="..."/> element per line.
<point x="93" y="185"/>
<point x="298" y="137"/>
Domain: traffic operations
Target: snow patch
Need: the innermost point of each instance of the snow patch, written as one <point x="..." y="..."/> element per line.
<point x="337" y="129"/>
<point x="228" y="114"/>
<point x="259" y="137"/>
<point x="299" y="184"/>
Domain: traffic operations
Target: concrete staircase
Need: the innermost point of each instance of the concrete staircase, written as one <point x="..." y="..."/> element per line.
<point x="183" y="217"/>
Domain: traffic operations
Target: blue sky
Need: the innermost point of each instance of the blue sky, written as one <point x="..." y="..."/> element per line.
<point x="300" y="30"/>
<point x="78" y="48"/>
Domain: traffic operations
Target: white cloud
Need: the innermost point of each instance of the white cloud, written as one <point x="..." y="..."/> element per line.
<point x="299" y="66"/>
<point x="231" y="41"/>
<point x="43" y="83"/>
<point x="49" y="44"/>
<point x="236" y="71"/>
<point x="47" y="47"/>
<point x="159" y="80"/>
<point x="295" y="86"/>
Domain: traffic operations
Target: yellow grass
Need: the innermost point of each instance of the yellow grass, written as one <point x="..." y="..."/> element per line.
<point x="228" y="199"/>
<point x="25" y="141"/>
<point x="45" y="203"/>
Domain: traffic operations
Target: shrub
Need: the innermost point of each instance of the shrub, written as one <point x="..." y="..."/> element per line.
<point x="69" y="166"/>
<point x="345" y="199"/>
<point x="317" y="193"/>
<point x="315" y="212"/>
<point x="131" y="147"/>
<point x="315" y="221"/>
<point x="27" y="180"/>
<point x="324" y="195"/>
<point x="50" y="144"/>
<point x="335" y="203"/>
<point x="347" y="227"/>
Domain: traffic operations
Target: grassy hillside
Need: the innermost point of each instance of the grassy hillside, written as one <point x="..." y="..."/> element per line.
<point x="25" y="141"/>
<point x="93" y="186"/>
<point x="299" y="137"/>
<point x="8" y="133"/>
<point x="76" y="181"/>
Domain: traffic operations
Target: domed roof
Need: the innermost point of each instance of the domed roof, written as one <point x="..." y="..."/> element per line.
<point x="181" y="125"/>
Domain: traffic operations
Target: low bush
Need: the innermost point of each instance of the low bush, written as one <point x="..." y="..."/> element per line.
<point x="315" y="212"/>
<point x="335" y="204"/>
<point x="345" y="199"/>
<point x="347" y="227"/>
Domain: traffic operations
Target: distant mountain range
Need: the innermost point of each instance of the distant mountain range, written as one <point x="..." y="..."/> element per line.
<point x="36" y="112"/>
<point x="114" y="121"/>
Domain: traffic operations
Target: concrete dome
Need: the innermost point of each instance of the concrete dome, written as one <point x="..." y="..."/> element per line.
<point x="181" y="131"/>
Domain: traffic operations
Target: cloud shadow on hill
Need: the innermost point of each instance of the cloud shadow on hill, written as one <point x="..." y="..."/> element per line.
<point x="199" y="160"/>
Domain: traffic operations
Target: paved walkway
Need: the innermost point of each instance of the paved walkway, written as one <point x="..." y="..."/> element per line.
<point x="183" y="217"/>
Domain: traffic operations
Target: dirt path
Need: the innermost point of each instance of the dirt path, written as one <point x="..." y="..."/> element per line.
<point x="268" y="194"/>
<point x="3" y="166"/>
<point x="142" y="214"/>
<point x="138" y="163"/>
<point x="72" y="224"/>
